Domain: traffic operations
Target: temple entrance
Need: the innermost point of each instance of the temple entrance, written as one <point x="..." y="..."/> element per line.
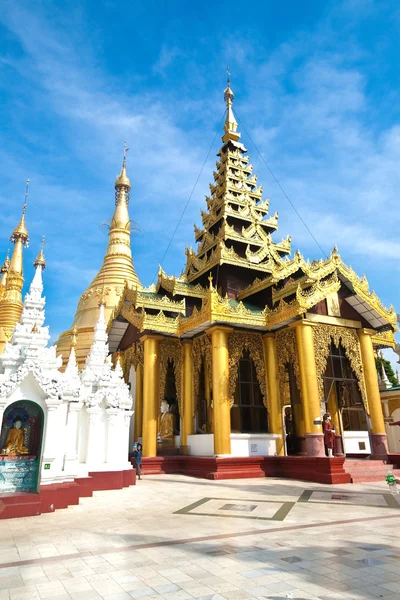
<point x="204" y="410"/>
<point x="20" y="447"/>
<point x="169" y="426"/>
<point x="293" y="417"/>
<point x="171" y="397"/>
<point x="248" y="413"/>
<point x="344" y="402"/>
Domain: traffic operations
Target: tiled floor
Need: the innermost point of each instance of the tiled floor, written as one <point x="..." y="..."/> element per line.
<point x="165" y="538"/>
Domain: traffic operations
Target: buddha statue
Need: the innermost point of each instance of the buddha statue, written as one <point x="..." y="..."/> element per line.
<point x="166" y="434"/>
<point x="14" y="444"/>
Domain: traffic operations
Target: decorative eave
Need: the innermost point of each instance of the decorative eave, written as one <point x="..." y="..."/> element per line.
<point x="195" y="266"/>
<point x="216" y="309"/>
<point x="384" y="339"/>
<point x="150" y="300"/>
<point x="250" y="213"/>
<point x="253" y="235"/>
<point x="179" y="286"/>
<point x="144" y="321"/>
<point x="304" y="300"/>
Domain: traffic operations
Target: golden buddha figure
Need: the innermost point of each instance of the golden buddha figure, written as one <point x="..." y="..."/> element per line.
<point x="14" y="444"/>
<point x="166" y="434"/>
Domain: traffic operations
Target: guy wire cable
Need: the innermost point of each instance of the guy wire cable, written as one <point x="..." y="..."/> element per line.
<point x="279" y="185"/>
<point x="191" y="193"/>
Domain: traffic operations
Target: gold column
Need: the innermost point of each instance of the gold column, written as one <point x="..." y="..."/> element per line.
<point x="137" y="432"/>
<point x="378" y="431"/>
<point x="309" y="388"/>
<point x="207" y="395"/>
<point x="298" y="417"/>
<point x="187" y="404"/>
<point x="150" y="393"/>
<point x="220" y="389"/>
<point x="274" y="405"/>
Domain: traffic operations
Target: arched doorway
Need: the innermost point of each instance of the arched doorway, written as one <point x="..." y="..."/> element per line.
<point x="248" y="413"/>
<point x="21" y="440"/>
<point x="344" y="402"/>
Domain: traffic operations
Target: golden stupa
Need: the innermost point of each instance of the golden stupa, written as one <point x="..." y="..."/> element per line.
<point x="12" y="281"/>
<point x="116" y="271"/>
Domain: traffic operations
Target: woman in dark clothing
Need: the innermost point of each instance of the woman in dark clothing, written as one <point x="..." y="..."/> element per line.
<point x="137" y="454"/>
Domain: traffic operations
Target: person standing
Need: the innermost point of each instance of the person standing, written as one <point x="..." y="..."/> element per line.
<point x="329" y="434"/>
<point x="137" y="455"/>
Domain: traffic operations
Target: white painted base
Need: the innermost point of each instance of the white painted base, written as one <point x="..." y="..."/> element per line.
<point x="253" y="444"/>
<point x="201" y="444"/>
<point x="352" y="440"/>
<point x="242" y="444"/>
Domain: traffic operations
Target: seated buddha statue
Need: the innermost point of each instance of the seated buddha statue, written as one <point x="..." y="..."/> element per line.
<point x="14" y="444"/>
<point x="166" y="434"/>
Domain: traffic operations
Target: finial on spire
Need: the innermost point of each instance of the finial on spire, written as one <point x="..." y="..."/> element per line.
<point x="26" y="196"/>
<point x="231" y="125"/>
<point x="123" y="179"/>
<point x="210" y="279"/>
<point x="40" y="260"/>
<point x="21" y="232"/>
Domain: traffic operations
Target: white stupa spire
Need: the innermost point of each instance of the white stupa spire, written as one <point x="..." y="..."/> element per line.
<point x="384" y="380"/>
<point x="98" y="354"/>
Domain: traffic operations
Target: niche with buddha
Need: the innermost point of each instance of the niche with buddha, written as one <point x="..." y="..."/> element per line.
<point x="20" y="447"/>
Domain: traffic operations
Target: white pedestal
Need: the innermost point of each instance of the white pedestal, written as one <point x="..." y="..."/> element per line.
<point x="356" y="442"/>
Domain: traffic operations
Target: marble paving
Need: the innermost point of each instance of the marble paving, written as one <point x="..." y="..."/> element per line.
<point x="175" y="537"/>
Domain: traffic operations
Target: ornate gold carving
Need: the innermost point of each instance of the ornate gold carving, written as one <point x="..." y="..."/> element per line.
<point x="286" y="351"/>
<point x="238" y="342"/>
<point x="324" y="335"/>
<point x="201" y="351"/>
<point x="171" y="350"/>
<point x="384" y="339"/>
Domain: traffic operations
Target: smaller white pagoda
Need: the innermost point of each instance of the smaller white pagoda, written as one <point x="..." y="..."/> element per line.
<point x="56" y="427"/>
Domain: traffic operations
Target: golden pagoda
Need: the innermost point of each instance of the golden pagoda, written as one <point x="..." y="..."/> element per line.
<point x="12" y="281"/>
<point x="116" y="271"/>
<point x="249" y="343"/>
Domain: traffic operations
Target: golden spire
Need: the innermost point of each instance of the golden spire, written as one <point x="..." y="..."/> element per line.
<point x="21" y="232"/>
<point x="11" y="299"/>
<point x="231" y="125"/>
<point x="40" y="259"/>
<point x="116" y="271"/>
<point x="123" y="179"/>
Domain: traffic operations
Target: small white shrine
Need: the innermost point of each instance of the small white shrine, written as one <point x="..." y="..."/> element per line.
<point x="56" y="426"/>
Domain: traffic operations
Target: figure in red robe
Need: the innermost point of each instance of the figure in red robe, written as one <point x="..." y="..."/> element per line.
<point x="329" y="434"/>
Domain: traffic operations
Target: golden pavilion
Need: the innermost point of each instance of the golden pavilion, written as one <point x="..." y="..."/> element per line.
<point x="247" y="350"/>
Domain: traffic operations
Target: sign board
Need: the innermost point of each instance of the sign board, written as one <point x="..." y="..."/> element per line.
<point x="253" y="447"/>
<point x="46" y="466"/>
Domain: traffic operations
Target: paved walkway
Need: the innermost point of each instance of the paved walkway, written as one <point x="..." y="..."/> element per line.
<point x="180" y="538"/>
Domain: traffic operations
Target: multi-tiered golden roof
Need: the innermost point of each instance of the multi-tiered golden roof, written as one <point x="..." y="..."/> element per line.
<point x="254" y="283"/>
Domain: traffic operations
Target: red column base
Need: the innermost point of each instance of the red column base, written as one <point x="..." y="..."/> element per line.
<point x="379" y="446"/>
<point x="315" y="444"/>
<point x="338" y="448"/>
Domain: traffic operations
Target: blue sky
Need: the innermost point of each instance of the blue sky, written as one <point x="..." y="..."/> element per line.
<point x="317" y="86"/>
